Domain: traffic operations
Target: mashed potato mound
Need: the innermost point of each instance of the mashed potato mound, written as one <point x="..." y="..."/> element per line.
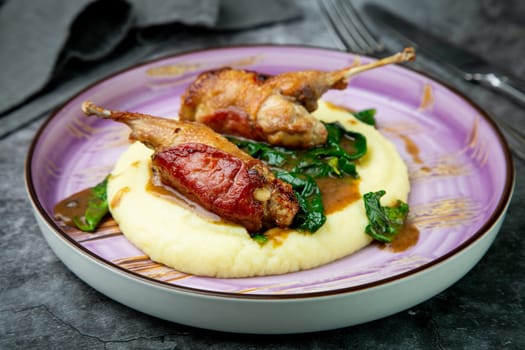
<point x="177" y="237"/>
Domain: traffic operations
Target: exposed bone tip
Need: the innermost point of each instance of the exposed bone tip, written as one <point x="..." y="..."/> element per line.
<point x="409" y="54"/>
<point x="89" y="108"/>
<point x="86" y="107"/>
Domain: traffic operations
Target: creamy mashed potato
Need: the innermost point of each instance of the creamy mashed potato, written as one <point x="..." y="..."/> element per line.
<point x="177" y="237"/>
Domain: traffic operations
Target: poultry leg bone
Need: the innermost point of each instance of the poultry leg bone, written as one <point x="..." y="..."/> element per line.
<point x="207" y="168"/>
<point x="275" y="109"/>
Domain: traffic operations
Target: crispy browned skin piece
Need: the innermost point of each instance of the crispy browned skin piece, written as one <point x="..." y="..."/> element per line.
<point x="275" y="109"/>
<point x="203" y="165"/>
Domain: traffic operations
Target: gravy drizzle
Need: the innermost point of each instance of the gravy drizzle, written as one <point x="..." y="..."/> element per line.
<point x="338" y="193"/>
<point x="405" y="239"/>
<point x="72" y="206"/>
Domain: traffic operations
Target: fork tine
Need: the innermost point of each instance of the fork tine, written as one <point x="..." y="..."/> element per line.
<point x="350" y="27"/>
<point x="344" y="40"/>
<point x="360" y="26"/>
<point x="351" y="31"/>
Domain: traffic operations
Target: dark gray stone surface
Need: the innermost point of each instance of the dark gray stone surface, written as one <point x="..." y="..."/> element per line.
<point x="43" y="305"/>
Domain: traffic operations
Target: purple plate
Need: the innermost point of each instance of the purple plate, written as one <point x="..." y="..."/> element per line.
<point x="460" y="170"/>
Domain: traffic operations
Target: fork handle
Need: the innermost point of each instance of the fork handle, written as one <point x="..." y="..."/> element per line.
<point x="511" y="87"/>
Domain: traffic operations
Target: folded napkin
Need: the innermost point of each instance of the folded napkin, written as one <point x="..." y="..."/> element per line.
<point x="42" y="40"/>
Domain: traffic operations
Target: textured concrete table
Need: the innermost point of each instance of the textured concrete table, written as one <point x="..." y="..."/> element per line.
<point x="43" y="305"/>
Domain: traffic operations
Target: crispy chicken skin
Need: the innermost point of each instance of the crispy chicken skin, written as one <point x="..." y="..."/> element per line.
<point x="275" y="109"/>
<point x="203" y="165"/>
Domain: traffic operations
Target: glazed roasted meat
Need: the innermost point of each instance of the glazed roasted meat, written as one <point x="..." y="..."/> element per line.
<point x="207" y="168"/>
<point x="275" y="109"/>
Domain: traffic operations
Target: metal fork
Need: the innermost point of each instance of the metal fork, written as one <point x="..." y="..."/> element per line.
<point x="351" y="33"/>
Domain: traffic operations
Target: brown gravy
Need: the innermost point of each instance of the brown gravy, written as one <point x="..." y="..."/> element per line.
<point x="277" y="235"/>
<point x="338" y="193"/>
<point x="72" y="206"/>
<point x="427" y="101"/>
<point x="407" y="237"/>
<point x="115" y="201"/>
<point x="412" y="149"/>
<point x="335" y="107"/>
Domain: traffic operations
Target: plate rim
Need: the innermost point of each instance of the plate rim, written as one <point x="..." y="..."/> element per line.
<point x="500" y="208"/>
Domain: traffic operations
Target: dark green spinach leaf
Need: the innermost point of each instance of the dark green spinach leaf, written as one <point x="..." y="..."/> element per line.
<point x="311" y="210"/>
<point x="384" y="222"/>
<point x="367" y="116"/>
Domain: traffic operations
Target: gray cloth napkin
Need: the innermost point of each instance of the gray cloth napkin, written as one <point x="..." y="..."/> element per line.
<point x="44" y="41"/>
